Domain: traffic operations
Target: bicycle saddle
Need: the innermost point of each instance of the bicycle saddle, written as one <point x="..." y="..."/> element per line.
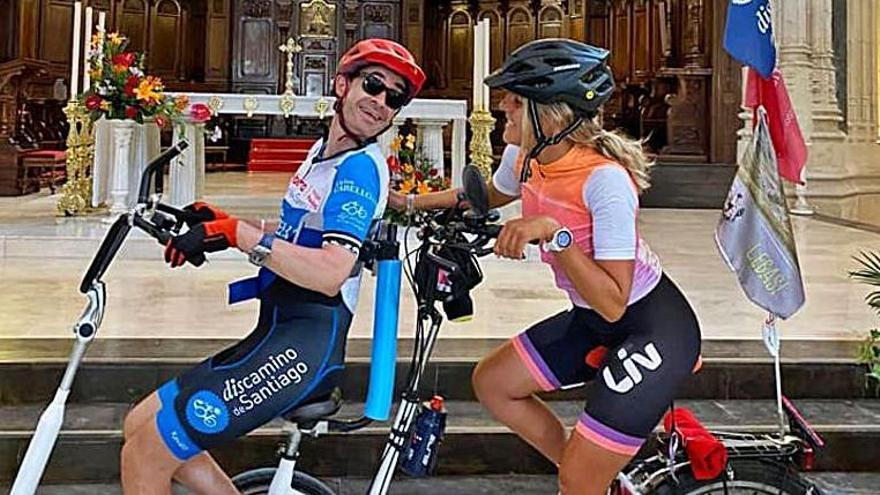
<point x="315" y="408"/>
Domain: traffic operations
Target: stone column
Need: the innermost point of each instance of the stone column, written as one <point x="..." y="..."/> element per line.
<point x="861" y="46"/>
<point x="431" y="140"/>
<point x="459" y="149"/>
<point x="384" y="140"/>
<point x="826" y="113"/>
<point x="793" y="57"/>
<point x="188" y="170"/>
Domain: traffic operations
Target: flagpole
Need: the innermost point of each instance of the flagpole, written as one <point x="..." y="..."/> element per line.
<point x="775" y="349"/>
<point x="801" y="205"/>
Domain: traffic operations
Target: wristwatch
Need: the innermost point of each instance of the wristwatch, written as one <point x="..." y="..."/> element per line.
<point x="561" y="240"/>
<point x="262" y="250"/>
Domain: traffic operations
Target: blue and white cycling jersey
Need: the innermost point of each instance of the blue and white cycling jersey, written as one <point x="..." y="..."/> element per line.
<point x="335" y="200"/>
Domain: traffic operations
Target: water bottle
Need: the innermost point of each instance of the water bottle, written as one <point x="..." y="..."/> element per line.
<point x="420" y="458"/>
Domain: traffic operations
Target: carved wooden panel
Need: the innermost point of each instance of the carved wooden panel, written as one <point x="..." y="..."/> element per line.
<point x="620" y="39"/>
<point x="552" y="22"/>
<point x="726" y="93"/>
<point x="132" y="18"/>
<point x="687" y="124"/>
<point x="496" y="37"/>
<point x="255" y="59"/>
<point x="577" y="26"/>
<point x="597" y="23"/>
<point x="460" y="45"/>
<point x="379" y="20"/>
<point x="56" y="30"/>
<point x="642" y="42"/>
<point x="217" y="40"/>
<point x="7" y="30"/>
<point x="520" y="26"/>
<point x="413" y="24"/>
<point x="166" y="38"/>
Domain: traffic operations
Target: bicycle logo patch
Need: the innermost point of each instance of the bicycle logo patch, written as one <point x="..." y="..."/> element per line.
<point x="206" y="412"/>
<point x="354" y="209"/>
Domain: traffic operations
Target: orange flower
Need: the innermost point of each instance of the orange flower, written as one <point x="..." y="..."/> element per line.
<point x="395" y="144"/>
<point x="181" y="102"/>
<point x="406" y="186"/>
<point x="150" y="90"/>
<point x="423" y="188"/>
<point x="408" y="169"/>
<point x="116" y="38"/>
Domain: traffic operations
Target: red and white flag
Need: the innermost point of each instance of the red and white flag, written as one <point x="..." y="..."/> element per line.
<point x="791" y="151"/>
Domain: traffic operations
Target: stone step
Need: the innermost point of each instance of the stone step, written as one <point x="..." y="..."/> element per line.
<point x="475" y="444"/>
<point x="831" y="483"/>
<point x="125" y="370"/>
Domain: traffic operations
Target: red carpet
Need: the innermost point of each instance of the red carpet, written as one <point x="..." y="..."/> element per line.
<point x="278" y="155"/>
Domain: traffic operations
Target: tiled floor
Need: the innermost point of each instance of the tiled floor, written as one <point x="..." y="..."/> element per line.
<point x="42" y="258"/>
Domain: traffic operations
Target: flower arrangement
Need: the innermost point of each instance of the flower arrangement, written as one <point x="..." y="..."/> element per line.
<point x="120" y="89"/>
<point x="411" y="172"/>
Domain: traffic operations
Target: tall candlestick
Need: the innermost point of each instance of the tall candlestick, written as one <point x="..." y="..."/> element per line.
<point x="87" y="78"/>
<point x="486" y="59"/>
<point x="74" y="62"/>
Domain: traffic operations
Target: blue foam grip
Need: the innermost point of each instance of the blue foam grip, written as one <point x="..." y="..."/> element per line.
<point x="384" y="356"/>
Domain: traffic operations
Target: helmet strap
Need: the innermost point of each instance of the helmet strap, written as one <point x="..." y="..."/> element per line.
<point x="542" y="140"/>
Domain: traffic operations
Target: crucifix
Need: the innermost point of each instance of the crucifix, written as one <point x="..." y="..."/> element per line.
<point x="287" y="101"/>
<point x="289" y="48"/>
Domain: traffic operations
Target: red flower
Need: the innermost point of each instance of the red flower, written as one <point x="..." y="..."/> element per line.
<point x="433" y="172"/>
<point x="93" y="102"/>
<point x="130" y="85"/>
<point x="161" y="121"/>
<point x="200" y="112"/>
<point x="419" y="176"/>
<point x="131" y="112"/>
<point x="123" y="59"/>
<point x="393" y="164"/>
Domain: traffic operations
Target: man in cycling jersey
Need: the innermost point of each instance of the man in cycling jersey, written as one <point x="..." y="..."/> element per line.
<point x="307" y="285"/>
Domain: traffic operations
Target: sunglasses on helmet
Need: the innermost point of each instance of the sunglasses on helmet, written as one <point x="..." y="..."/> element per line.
<point x="373" y="86"/>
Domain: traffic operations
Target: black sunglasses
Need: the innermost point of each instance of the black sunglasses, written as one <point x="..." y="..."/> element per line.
<point x="394" y="99"/>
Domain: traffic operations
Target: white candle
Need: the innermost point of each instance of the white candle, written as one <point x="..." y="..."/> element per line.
<point x="102" y="17"/>
<point x="87" y="79"/>
<point x="486" y="59"/>
<point x="74" y="61"/>
<point x="478" y="66"/>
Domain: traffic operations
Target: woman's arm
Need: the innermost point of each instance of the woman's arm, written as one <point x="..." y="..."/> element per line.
<point x="444" y="199"/>
<point x="603" y="284"/>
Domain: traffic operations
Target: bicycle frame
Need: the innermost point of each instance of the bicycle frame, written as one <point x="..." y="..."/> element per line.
<point x="86" y="328"/>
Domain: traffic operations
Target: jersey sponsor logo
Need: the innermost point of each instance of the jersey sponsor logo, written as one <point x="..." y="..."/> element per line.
<point x="350" y="186"/>
<point x="355" y="209"/>
<point x="277" y="372"/>
<point x="650" y="360"/>
<point x="302" y="193"/>
<point x="206" y="412"/>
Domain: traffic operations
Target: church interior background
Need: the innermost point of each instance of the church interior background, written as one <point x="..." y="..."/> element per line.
<point x="676" y="88"/>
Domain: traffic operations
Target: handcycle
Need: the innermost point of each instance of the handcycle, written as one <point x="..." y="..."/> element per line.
<point x="445" y="270"/>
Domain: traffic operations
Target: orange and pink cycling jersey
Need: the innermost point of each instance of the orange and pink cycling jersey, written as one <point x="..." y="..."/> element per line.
<point x="596" y="199"/>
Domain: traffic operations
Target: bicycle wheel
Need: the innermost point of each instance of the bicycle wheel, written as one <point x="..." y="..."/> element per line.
<point x="257" y="481"/>
<point x="744" y="477"/>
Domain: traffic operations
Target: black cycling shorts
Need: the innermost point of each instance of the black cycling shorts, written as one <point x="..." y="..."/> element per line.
<point x="296" y="351"/>
<point x="633" y="367"/>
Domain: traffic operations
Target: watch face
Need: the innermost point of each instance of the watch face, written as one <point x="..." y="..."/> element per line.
<point x="563" y="238"/>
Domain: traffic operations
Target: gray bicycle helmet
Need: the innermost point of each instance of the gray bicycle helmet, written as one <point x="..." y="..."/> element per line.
<point x="551" y="71"/>
<point x="558" y="70"/>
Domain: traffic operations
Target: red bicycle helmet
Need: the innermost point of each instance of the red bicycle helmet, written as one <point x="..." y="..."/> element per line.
<point x="389" y="54"/>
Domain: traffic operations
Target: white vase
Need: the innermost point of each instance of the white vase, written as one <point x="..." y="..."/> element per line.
<point x="123" y="132"/>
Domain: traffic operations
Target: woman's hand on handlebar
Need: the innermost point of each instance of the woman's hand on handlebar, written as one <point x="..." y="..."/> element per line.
<point x="208" y="237"/>
<point x="200" y="212"/>
<point x="511" y="242"/>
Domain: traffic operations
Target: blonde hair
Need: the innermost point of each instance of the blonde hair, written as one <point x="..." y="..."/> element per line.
<point x="621" y="149"/>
